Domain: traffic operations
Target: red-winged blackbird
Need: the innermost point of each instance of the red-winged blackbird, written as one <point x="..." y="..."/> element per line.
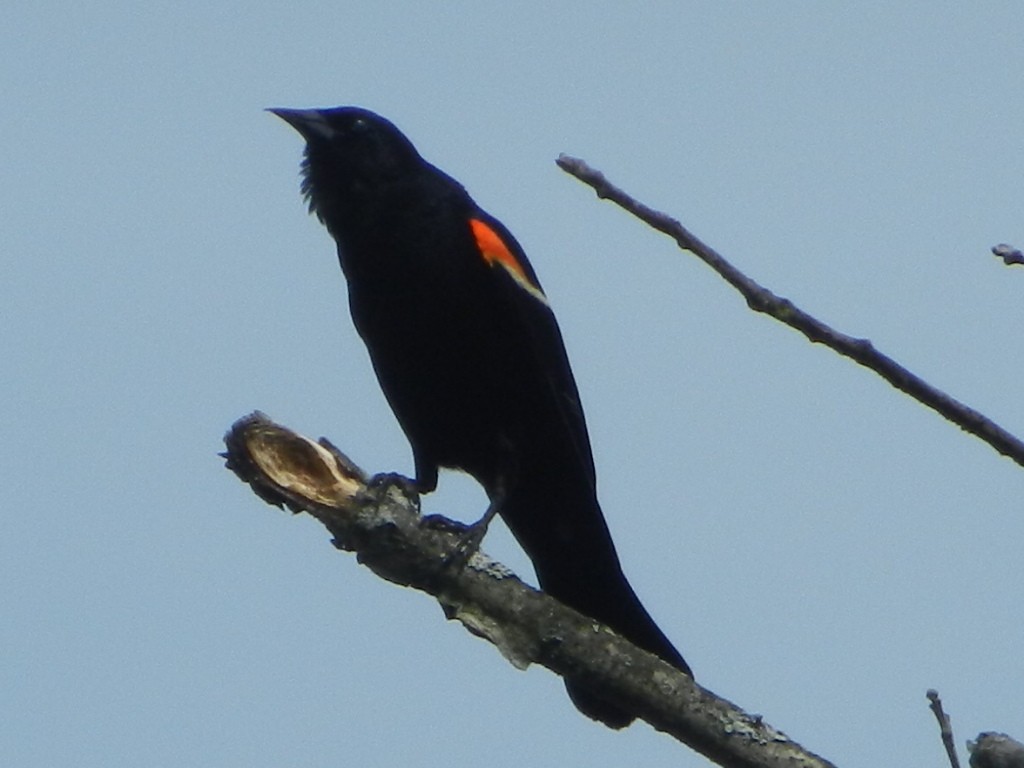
<point x="469" y="355"/>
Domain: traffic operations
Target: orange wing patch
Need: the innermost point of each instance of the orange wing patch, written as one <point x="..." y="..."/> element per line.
<point x="496" y="253"/>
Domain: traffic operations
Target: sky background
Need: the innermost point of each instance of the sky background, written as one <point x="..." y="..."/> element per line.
<point x="821" y="548"/>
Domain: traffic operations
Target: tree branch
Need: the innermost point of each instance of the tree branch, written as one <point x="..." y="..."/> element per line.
<point x="760" y="299"/>
<point x="378" y="519"/>
<point x="996" y="750"/>
<point x="1008" y="254"/>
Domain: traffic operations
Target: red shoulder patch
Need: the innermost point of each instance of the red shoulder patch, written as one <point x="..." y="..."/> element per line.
<point x="494" y="251"/>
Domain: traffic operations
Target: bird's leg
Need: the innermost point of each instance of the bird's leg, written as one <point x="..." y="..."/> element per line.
<point x="426" y="474"/>
<point x="472" y="536"/>
<point x="475" y="533"/>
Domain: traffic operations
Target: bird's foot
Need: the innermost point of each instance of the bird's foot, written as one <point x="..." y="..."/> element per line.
<point x="469" y="536"/>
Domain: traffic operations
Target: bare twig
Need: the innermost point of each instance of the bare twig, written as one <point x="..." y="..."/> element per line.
<point x="761" y="299"/>
<point x="378" y="519"/>
<point x="945" y="728"/>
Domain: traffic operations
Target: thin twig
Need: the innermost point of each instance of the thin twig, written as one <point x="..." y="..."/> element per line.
<point x="760" y="299"/>
<point x="945" y="729"/>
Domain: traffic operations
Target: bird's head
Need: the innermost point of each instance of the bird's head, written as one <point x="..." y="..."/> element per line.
<point x="350" y="154"/>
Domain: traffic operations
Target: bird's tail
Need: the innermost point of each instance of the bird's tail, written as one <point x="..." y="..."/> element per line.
<point x="576" y="563"/>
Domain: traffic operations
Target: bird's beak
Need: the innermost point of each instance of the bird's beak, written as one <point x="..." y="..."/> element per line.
<point x="308" y="122"/>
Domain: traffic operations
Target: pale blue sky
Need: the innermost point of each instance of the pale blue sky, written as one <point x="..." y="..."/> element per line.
<point x="820" y="548"/>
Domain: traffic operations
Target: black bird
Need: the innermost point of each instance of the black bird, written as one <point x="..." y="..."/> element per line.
<point x="470" y="358"/>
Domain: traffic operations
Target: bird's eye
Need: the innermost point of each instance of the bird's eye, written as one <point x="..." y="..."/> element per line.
<point x="359" y="125"/>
